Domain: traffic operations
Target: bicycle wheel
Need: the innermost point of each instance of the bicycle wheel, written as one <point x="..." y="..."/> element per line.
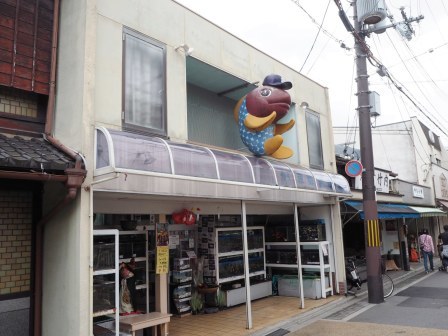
<point x="388" y="286"/>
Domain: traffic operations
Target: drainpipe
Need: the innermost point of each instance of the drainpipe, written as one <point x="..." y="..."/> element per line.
<point x="74" y="179"/>
<point x="54" y="48"/>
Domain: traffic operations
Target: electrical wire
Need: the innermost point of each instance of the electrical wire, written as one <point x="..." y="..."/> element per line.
<point x="443" y="4"/>
<point x="317" y="57"/>
<point x="433" y="16"/>
<point x="326" y="32"/>
<point x="378" y="64"/>
<point x="410" y="74"/>
<point x="317" y="35"/>
<point x="405" y="123"/>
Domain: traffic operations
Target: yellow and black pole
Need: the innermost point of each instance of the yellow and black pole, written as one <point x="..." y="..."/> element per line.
<point x="371" y="225"/>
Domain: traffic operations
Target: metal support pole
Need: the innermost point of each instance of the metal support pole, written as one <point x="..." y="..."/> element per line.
<point x="246" y="267"/>
<point x="299" y="256"/>
<point x="404" y="246"/>
<point x="371" y="225"/>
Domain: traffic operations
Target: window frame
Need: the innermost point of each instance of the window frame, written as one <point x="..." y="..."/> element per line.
<point x="133" y="127"/>
<point x="317" y="116"/>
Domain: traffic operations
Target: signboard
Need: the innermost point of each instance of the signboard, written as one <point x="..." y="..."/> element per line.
<point x="174" y="241"/>
<point x="443" y="186"/>
<point x="353" y="168"/>
<point x="381" y="179"/>
<point x="418" y="192"/>
<point x="162" y="248"/>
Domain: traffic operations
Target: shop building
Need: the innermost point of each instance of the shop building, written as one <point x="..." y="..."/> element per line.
<point x="247" y="211"/>
<point x="40" y="177"/>
<point x="144" y="95"/>
<point x="404" y="209"/>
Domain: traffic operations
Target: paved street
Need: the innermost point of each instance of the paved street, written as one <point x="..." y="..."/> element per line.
<point x="420" y="308"/>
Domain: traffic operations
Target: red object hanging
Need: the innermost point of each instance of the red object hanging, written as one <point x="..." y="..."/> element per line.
<point x="184" y="217"/>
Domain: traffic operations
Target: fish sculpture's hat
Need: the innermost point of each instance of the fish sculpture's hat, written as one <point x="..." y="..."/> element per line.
<point x="276" y="81"/>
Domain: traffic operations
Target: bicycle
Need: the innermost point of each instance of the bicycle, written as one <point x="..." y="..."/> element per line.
<point x="354" y="280"/>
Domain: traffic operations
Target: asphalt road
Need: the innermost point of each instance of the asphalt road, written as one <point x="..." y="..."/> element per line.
<point x="421" y="309"/>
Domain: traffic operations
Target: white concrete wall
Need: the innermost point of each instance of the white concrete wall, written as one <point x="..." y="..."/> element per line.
<point x="401" y="148"/>
<point x="393" y="148"/>
<point x="173" y="25"/>
<point x="67" y="277"/>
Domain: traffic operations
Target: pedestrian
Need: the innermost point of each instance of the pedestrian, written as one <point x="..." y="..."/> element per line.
<point x="443" y="239"/>
<point x="427" y="249"/>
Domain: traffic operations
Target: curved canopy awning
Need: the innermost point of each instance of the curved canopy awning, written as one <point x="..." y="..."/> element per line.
<point x="119" y="151"/>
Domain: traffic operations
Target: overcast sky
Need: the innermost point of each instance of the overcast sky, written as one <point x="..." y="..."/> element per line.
<point x="286" y="32"/>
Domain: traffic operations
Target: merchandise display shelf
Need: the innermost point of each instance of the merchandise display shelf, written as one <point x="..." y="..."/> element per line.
<point x="318" y="251"/>
<point x="240" y="252"/>
<point x="105" y="263"/>
<point x="239" y="277"/>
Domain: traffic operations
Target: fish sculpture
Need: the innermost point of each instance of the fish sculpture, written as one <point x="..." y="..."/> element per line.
<point x="258" y="113"/>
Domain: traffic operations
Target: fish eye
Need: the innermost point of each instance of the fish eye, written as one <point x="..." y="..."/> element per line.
<point x="265" y="92"/>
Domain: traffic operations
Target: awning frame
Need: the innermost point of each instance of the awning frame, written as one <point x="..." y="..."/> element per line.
<point x="112" y="168"/>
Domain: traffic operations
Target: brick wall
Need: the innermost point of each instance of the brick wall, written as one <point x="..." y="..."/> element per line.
<point x="18" y="102"/>
<point x="15" y="241"/>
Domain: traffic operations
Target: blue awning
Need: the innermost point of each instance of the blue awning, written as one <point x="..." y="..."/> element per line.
<point x="387" y="210"/>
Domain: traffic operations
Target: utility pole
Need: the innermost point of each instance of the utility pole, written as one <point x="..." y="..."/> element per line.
<point x="371" y="224"/>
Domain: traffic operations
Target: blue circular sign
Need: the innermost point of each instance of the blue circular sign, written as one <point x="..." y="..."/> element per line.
<point x="353" y="168"/>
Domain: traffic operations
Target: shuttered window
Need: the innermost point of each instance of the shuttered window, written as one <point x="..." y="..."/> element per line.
<point x="25" y="44"/>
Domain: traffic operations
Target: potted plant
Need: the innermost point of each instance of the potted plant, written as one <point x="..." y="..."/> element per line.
<point x="220" y="299"/>
<point x="196" y="303"/>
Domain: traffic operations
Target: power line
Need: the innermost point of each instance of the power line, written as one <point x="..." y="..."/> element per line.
<point x="326" y="32"/>
<point x="410" y="74"/>
<point x="315" y="39"/>
<point x="378" y="64"/>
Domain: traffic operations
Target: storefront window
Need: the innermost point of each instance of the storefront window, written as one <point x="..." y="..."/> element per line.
<point x="233" y="167"/>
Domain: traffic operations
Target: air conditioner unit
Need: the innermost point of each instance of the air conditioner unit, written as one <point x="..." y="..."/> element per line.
<point x="374" y="102"/>
<point x="371" y="11"/>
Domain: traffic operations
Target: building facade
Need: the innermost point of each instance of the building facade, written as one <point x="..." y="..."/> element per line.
<point x="141" y="95"/>
<point x="413" y="185"/>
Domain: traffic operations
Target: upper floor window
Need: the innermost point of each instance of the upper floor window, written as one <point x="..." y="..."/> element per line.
<point x="314" y="137"/>
<point x="144" y="98"/>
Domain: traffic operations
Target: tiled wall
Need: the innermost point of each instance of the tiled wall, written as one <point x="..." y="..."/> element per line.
<point x="15" y="241"/>
<point x="18" y="102"/>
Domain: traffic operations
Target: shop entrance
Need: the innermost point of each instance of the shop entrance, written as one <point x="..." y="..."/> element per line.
<point x="206" y="262"/>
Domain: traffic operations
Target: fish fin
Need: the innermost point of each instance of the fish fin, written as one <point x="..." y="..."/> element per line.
<point x="271" y="145"/>
<point x="258" y="124"/>
<point x="282" y="128"/>
<point x="282" y="153"/>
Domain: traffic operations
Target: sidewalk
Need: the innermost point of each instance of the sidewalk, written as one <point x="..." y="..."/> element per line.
<point x="343" y="306"/>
